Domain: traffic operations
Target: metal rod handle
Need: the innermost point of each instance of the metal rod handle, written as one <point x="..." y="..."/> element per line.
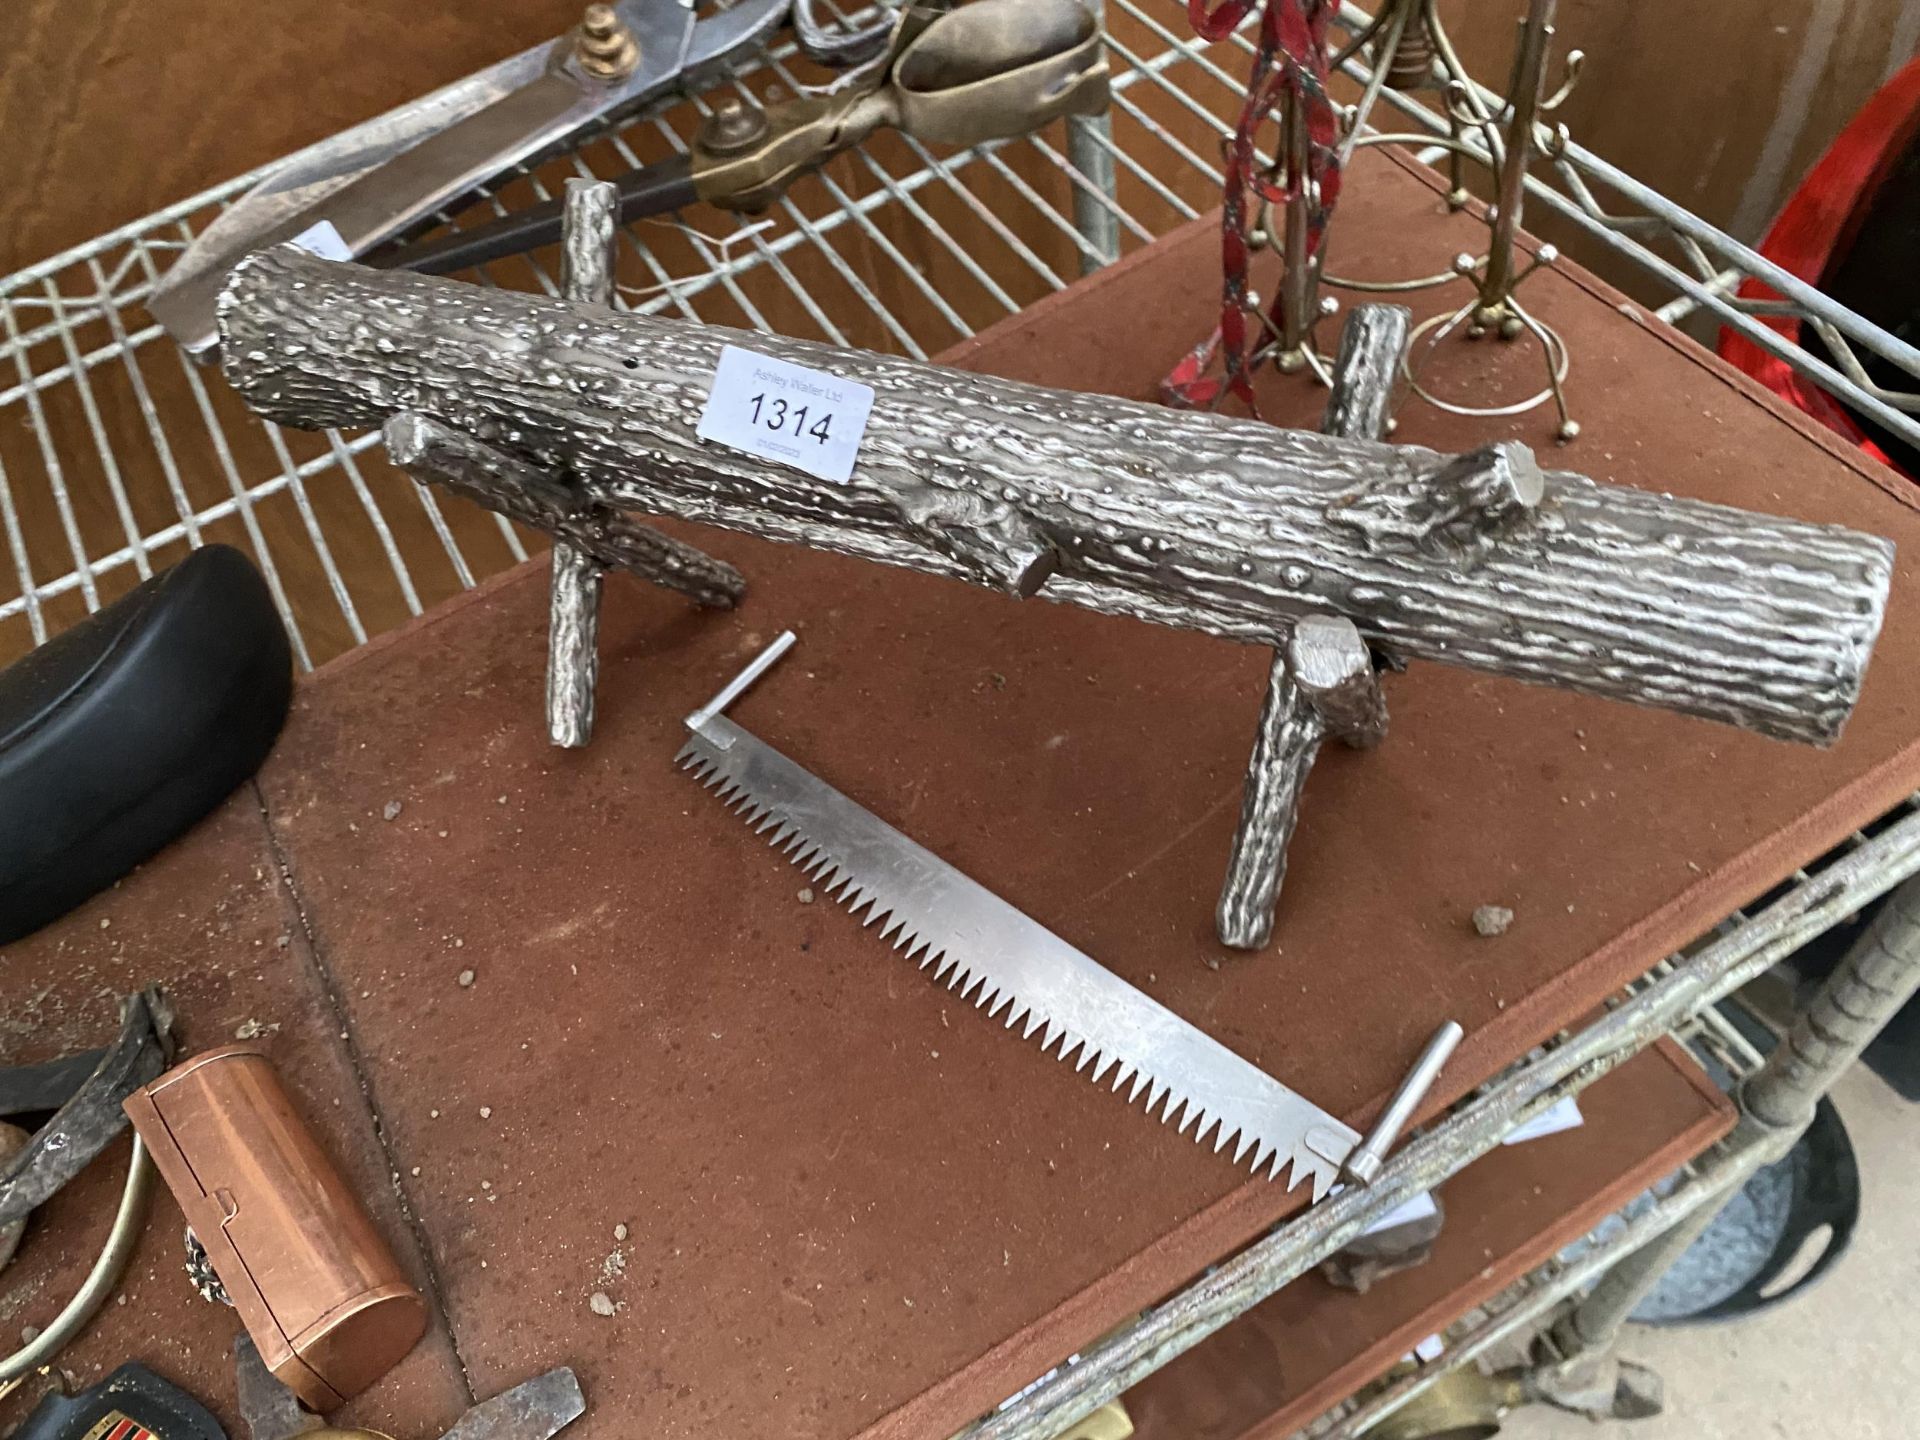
<point x="737" y="686"/>
<point x="1371" y="1153"/>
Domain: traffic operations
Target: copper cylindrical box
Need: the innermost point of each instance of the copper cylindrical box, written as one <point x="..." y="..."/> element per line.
<point x="319" y="1291"/>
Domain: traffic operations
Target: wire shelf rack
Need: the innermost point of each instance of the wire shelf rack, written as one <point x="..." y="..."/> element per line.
<point x="118" y="454"/>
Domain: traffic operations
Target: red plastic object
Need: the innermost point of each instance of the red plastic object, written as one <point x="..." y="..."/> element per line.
<point x="1814" y="231"/>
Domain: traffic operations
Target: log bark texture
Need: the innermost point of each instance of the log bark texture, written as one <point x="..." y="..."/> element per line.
<point x="1365" y="372"/>
<point x="1331" y="665"/>
<point x="573" y="646"/>
<point x="1284" y="747"/>
<point x="573" y="611"/>
<point x="1218" y="524"/>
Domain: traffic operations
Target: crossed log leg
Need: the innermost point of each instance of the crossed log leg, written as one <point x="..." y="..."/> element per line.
<point x="1323" y="680"/>
<point x="590" y="539"/>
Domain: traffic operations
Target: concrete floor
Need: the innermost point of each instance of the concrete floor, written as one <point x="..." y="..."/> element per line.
<point x="1841" y="1361"/>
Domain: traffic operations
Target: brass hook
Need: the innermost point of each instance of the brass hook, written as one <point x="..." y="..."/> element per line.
<point x="1571" y="70"/>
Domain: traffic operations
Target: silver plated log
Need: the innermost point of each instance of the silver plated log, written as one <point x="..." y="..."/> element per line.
<point x="1216" y="523"/>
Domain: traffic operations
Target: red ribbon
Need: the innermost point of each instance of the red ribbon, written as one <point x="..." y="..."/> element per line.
<point x="1291" y="59"/>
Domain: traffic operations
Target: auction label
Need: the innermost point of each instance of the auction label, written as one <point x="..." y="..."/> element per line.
<point x="778" y="411"/>
<point x="320" y="238"/>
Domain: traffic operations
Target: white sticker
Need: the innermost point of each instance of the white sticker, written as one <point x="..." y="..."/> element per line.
<point x="1419" y="1207"/>
<point x="1563" y="1114"/>
<point x="805" y="418"/>
<point x="320" y="238"/>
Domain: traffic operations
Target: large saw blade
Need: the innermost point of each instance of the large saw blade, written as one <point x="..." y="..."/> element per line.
<point x="1013" y="968"/>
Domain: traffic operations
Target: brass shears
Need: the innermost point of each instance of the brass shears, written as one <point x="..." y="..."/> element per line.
<point x="990" y="70"/>
<point x="366" y="185"/>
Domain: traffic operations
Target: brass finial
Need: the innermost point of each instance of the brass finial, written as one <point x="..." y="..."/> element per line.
<point x="605" y="47"/>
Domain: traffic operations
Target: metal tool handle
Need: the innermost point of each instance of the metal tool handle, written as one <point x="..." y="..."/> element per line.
<point x="642" y="194"/>
<point x="1371" y="1153"/>
<point x="737" y="686"/>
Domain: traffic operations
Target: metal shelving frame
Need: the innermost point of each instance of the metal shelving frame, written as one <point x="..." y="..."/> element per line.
<point x="72" y="329"/>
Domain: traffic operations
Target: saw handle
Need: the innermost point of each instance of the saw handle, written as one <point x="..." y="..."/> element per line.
<point x="737" y="686"/>
<point x="1371" y="1153"/>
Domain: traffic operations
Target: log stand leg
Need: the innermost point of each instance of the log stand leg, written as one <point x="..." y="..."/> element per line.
<point x="1322" y="683"/>
<point x="589" y="539"/>
<point x="1323" y="679"/>
<point x="1579" y="1366"/>
<point x="573" y="617"/>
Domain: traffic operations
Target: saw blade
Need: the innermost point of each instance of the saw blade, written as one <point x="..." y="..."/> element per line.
<point x="1013" y="968"/>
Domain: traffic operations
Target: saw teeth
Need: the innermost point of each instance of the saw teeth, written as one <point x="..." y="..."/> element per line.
<point x="1297" y="1169"/>
<point x="829" y="875"/>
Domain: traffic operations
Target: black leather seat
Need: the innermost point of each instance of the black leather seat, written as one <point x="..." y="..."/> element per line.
<point x="120" y="733"/>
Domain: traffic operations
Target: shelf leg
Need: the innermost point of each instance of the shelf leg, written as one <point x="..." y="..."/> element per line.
<point x="1090" y="152"/>
<point x="1879" y="975"/>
